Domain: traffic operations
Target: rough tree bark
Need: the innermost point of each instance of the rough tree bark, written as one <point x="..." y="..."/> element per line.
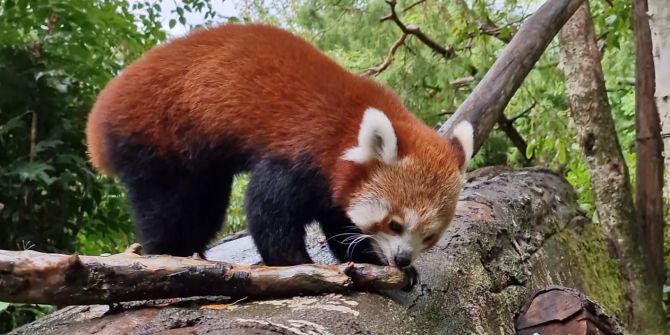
<point x="514" y="232"/>
<point x="659" y="22"/>
<point x="607" y="169"/>
<point x="648" y="149"/>
<point x="488" y="100"/>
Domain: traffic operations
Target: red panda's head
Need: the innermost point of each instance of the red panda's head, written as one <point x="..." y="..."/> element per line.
<point x="407" y="200"/>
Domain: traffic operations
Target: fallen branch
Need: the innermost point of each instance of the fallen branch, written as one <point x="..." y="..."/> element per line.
<point x="34" y="277"/>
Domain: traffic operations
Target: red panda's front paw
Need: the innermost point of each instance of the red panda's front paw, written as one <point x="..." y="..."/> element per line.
<point x="412" y="276"/>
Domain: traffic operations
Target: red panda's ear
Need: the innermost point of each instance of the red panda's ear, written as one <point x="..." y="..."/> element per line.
<point x="376" y="140"/>
<point x="463" y="137"/>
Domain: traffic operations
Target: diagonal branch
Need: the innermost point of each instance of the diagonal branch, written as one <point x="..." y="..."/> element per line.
<point x="34" y="277"/>
<point x="373" y="71"/>
<point x="506" y="125"/>
<point x="410" y="29"/>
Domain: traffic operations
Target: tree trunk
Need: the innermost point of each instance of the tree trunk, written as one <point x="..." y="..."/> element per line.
<point x="648" y="148"/>
<point x="659" y="23"/>
<point x="488" y="100"/>
<point x="610" y="185"/>
<point x="503" y="245"/>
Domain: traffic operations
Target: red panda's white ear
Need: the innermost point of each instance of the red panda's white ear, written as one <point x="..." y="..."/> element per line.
<point x="464" y="135"/>
<point x="376" y="140"/>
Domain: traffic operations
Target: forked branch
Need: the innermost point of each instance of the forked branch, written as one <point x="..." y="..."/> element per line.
<point x="410" y="29"/>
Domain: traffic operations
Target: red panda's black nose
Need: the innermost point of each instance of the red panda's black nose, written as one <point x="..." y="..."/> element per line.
<point x="403" y="259"/>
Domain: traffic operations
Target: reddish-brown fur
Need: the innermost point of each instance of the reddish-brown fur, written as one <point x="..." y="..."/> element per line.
<point x="232" y="82"/>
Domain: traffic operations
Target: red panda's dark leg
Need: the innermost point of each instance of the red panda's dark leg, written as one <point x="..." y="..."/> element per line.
<point x="279" y="203"/>
<point x="178" y="215"/>
<point x="177" y="203"/>
<point x="345" y="239"/>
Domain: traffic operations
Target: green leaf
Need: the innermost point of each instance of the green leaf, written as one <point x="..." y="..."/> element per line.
<point x="4" y="306"/>
<point x="172" y="23"/>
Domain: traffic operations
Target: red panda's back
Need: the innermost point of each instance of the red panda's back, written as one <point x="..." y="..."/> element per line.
<point x="257" y="85"/>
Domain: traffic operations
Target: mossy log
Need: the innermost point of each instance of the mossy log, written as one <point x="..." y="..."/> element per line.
<point x="515" y="232"/>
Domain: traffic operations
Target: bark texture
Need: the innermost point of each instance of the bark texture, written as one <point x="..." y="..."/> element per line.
<point x="648" y="149"/>
<point x="659" y="22"/>
<point x="503" y="245"/>
<point x="39" y="278"/>
<point x="607" y="169"/>
<point x="488" y="100"/>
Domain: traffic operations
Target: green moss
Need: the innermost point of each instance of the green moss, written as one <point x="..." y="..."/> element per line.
<point x="599" y="272"/>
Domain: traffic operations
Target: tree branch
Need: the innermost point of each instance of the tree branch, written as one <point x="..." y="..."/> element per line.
<point x="507" y="126"/>
<point x="410" y="29"/>
<point x="487" y="101"/>
<point x="34" y="277"/>
<point x="373" y="71"/>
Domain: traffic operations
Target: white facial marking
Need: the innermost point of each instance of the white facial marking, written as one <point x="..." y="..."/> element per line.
<point x="376" y="139"/>
<point x="465" y="135"/>
<point x="411" y="218"/>
<point x="367" y="211"/>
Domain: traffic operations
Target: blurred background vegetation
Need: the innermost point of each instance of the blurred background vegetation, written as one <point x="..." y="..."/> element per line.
<point x="55" y="55"/>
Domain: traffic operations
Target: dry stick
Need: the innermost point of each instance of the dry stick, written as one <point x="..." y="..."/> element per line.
<point x="34" y="277"/>
<point x="488" y="100"/>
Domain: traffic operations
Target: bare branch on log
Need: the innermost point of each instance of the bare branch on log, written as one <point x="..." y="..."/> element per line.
<point x="488" y="100"/>
<point x="373" y="71"/>
<point x="410" y="29"/>
<point x="34" y="277"/>
<point x="610" y="185"/>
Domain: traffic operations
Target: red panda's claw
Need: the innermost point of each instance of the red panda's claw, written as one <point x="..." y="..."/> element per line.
<point x="412" y="276"/>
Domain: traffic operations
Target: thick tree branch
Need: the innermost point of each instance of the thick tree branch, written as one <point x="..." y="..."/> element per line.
<point x="488" y="100"/>
<point x="373" y="71"/>
<point x="34" y="277"/>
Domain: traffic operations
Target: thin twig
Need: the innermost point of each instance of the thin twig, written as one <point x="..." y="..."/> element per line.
<point x="412" y="5"/>
<point x="373" y="71"/>
<point x="524" y="112"/>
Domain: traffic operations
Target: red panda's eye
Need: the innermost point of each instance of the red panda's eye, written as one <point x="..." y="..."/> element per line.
<point x="396" y="227"/>
<point x="428" y="238"/>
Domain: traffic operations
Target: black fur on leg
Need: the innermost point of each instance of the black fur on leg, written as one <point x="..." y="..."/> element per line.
<point x="282" y="198"/>
<point x="178" y="201"/>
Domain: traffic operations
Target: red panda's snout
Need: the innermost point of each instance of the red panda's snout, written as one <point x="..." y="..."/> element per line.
<point x="405" y="204"/>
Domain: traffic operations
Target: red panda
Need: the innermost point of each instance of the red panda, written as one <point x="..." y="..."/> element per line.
<point x="320" y="144"/>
